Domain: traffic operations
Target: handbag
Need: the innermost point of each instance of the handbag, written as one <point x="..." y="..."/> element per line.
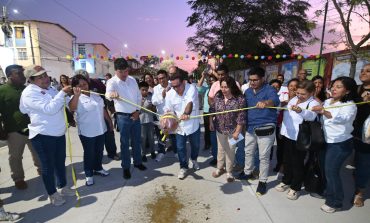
<point x="265" y="130"/>
<point x="310" y="135"/>
<point x="314" y="180"/>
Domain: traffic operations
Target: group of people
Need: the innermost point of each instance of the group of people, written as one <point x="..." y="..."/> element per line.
<point x="34" y="115"/>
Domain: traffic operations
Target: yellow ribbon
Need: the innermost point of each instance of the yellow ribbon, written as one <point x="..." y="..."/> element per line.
<point x="70" y="154"/>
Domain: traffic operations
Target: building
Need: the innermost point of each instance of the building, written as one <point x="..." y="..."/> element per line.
<point x="38" y="42"/>
<point x="93" y="57"/>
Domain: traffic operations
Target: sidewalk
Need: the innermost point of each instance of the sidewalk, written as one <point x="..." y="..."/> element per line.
<point x="198" y="198"/>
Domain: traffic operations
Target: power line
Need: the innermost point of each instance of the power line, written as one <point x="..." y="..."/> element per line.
<point x="91" y="24"/>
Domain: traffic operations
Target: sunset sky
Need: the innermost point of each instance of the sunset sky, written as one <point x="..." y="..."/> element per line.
<point x="146" y="26"/>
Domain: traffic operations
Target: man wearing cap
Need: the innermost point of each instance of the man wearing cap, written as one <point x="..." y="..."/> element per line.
<point x="46" y="131"/>
<point x="109" y="141"/>
<point x="125" y="86"/>
<point x="15" y="124"/>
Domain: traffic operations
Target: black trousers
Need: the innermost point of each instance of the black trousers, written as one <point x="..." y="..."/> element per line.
<point x="293" y="165"/>
<point x="279" y="148"/>
<point x="207" y="138"/>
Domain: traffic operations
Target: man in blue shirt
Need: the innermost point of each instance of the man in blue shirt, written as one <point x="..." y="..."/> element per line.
<point x="261" y="123"/>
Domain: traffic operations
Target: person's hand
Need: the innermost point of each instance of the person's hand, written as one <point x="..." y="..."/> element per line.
<point x="184" y="117"/>
<point x="77" y="91"/>
<point x="365" y="96"/>
<point x="236" y="135"/>
<point x="283" y="103"/>
<point x="114" y="94"/>
<point x="261" y="104"/>
<point x="318" y="109"/>
<point x="164" y="93"/>
<point x="211" y="126"/>
<point x="135" y="116"/>
<point x="67" y="89"/>
<point x="296" y="108"/>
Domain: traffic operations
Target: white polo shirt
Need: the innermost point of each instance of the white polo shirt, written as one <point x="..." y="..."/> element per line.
<point x="176" y="103"/>
<point x="340" y="126"/>
<point x="292" y="119"/>
<point x="45" y="107"/>
<point x="127" y="89"/>
<point x="90" y="116"/>
<point x="157" y="98"/>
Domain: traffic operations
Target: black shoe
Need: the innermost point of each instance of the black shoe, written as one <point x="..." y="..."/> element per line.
<point x="126" y="174"/>
<point x="243" y="176"/>
<point x="144" y="159"/>
<point x="153" y="155"/>
<point x="213" y="162"/>
<point x="261" y="188"/>
<point x="140" y="167"/>
<point x="114" y="157"/>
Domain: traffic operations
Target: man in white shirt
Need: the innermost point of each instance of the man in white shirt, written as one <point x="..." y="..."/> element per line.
<point x="47" y="129"/>
<point x="125" y="86"/>
<point x="183" y="100"/>
<point x="158" y="100"/>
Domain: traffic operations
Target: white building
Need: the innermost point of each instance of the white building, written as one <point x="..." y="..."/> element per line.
<point x="94" y="59"/>
<point x="38" y="42"/>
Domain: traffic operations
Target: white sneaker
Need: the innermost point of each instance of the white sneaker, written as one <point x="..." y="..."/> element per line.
<point x="160" y="156"/>
<point x="328" y="209"/>
<point x="182" y="173"/>
<point x="281" y="187"/>
<point x="101" y="172"/>
<point x="89" y="181"/>
<point x="6" y="216"/>
<point x="292" y="194"/>
<point x="195" y="165"/>
<point x="56" y="199"/>
<point x="67" y="192"/>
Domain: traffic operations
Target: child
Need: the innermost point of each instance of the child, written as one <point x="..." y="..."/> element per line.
<point x="146" y="120"/>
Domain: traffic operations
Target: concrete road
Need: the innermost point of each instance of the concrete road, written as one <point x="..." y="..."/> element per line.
<point x="156" y="195"/>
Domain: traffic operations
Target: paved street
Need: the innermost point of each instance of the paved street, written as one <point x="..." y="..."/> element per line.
<point x="198" y="198"/>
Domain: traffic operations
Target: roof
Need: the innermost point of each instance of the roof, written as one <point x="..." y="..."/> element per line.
<point x="102" y="44"/>
<point x="57" y="24"/>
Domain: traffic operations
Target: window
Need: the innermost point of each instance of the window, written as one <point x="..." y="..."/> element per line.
<point x="19" y="33"/>
<point x="22" y="54"/>
<point x="83" y="65"/>
<point x="81" y="49"/>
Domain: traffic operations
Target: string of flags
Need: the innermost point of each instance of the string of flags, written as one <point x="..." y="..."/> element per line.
<point x="199" y="57"/>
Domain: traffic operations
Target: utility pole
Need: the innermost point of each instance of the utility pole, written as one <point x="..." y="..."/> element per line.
<point x="322" y="36"/>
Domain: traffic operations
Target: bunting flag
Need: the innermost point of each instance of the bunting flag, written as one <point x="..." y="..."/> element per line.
<point x="199" y="57"/>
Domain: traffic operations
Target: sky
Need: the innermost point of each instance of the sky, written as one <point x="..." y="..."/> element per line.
<point x="146" y="26"/>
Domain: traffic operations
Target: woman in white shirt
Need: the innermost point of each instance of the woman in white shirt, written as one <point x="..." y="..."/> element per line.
<point x="293" y="158"/>
<point x="338" y="126"/>
<point x="91" y="116"/>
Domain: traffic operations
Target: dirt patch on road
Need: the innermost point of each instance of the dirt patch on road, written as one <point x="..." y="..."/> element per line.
<point x="170" y="204"/>
<point x="166" y="206"/>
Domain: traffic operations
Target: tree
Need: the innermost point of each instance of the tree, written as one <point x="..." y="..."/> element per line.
<point x="347" y="9"/>
<point x="248" y="26"/>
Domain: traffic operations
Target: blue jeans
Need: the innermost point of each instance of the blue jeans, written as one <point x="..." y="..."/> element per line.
<point x="129" y="129"/>
<point x="93" y="153"/>
<point x="52" y="154"/>
<point x="362" y="163"/>
<point x="194" y="140"/>
<point x="336" y="154"/>
<point x="240" y="153"/>
<point x="213" y="138"/>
